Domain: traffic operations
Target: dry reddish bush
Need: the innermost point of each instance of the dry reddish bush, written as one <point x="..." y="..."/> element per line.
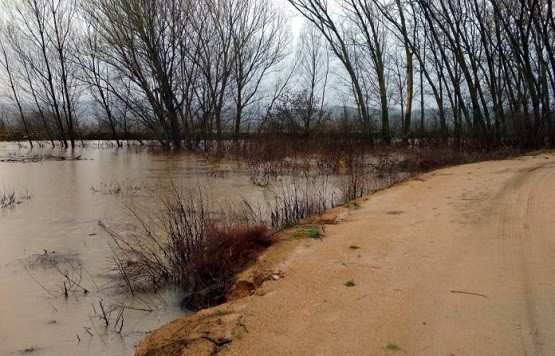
<point x="221" y="256"/>
<point x="189" y="246"/>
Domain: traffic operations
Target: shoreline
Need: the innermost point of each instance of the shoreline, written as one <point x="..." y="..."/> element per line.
<point x="208" y="330"/>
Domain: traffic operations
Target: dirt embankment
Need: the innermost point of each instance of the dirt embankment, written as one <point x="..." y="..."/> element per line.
<point x="457" y="261"/>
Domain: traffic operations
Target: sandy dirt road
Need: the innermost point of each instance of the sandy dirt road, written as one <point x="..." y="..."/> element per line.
<point x="460" y="261"/>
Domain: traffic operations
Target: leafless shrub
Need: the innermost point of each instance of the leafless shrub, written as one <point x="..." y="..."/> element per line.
<point x="67" y="265"/>
<point x="299" y="198"/>
<point x="188" y="245"/>
<point x="126" y="187"/>
<point x="50" y="260"/>
<point x="356" y="179"/>
<point x="105" y="314"/>
<point x="263" y="173"/>
<point x="111" y="315"/>
<point x="9" y="197"/>
<point x="73" y="277"/>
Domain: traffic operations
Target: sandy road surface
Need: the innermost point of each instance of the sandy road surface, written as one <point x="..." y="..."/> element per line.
<point x="460" y="261"/>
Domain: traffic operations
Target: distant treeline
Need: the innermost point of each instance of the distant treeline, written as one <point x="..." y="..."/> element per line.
<point x="477" y="73"/>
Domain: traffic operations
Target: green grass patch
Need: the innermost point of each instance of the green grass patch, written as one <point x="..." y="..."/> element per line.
<point x="219" y="311"/>
<point x="238" y="335"/>
<point x="313" y="232"/>
<point x="392" y="346"/>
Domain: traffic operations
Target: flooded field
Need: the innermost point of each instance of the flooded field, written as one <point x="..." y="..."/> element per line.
<point x="51" y="242"/>
<point x="57" y="291"/>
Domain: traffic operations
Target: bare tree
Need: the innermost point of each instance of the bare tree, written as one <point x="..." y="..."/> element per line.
<point x="371" y="36"/>
<point x="142" y="41"/>
<point x="259" y="45"/>
<point x="321" y="15"/>
<point x="394" y="13"/>
<point x="5" y="63"/>
<point x="314" y="68"/>
<point x="99" y="77"/>
<point x="42" y="36"/>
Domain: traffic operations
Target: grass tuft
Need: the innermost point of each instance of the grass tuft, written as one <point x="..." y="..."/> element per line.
<point x="218" y="311"/>
<point x="238" y="335"/>
<point x="392" y="346"/>
<point x="313" y="232"/>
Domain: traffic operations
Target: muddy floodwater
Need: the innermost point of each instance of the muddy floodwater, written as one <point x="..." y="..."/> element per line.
<point x="51" y="244"/>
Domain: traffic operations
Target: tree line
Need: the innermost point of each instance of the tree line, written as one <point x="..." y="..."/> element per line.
<point x="464" y="72"/>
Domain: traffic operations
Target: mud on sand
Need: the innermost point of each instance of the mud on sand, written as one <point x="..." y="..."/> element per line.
<point x="457" y="261"/>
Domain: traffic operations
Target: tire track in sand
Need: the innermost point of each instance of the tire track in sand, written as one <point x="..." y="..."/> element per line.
<point x="527" y="252"/>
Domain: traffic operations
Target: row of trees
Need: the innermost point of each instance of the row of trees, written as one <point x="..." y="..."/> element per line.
<point x="487" y="65"/>
<point x="175" y="67"/>
<point x="186" y="71"/>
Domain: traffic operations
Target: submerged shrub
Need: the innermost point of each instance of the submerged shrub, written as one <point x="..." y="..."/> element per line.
<point x="125" y="188"/>
<point x="9" y="197"/>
